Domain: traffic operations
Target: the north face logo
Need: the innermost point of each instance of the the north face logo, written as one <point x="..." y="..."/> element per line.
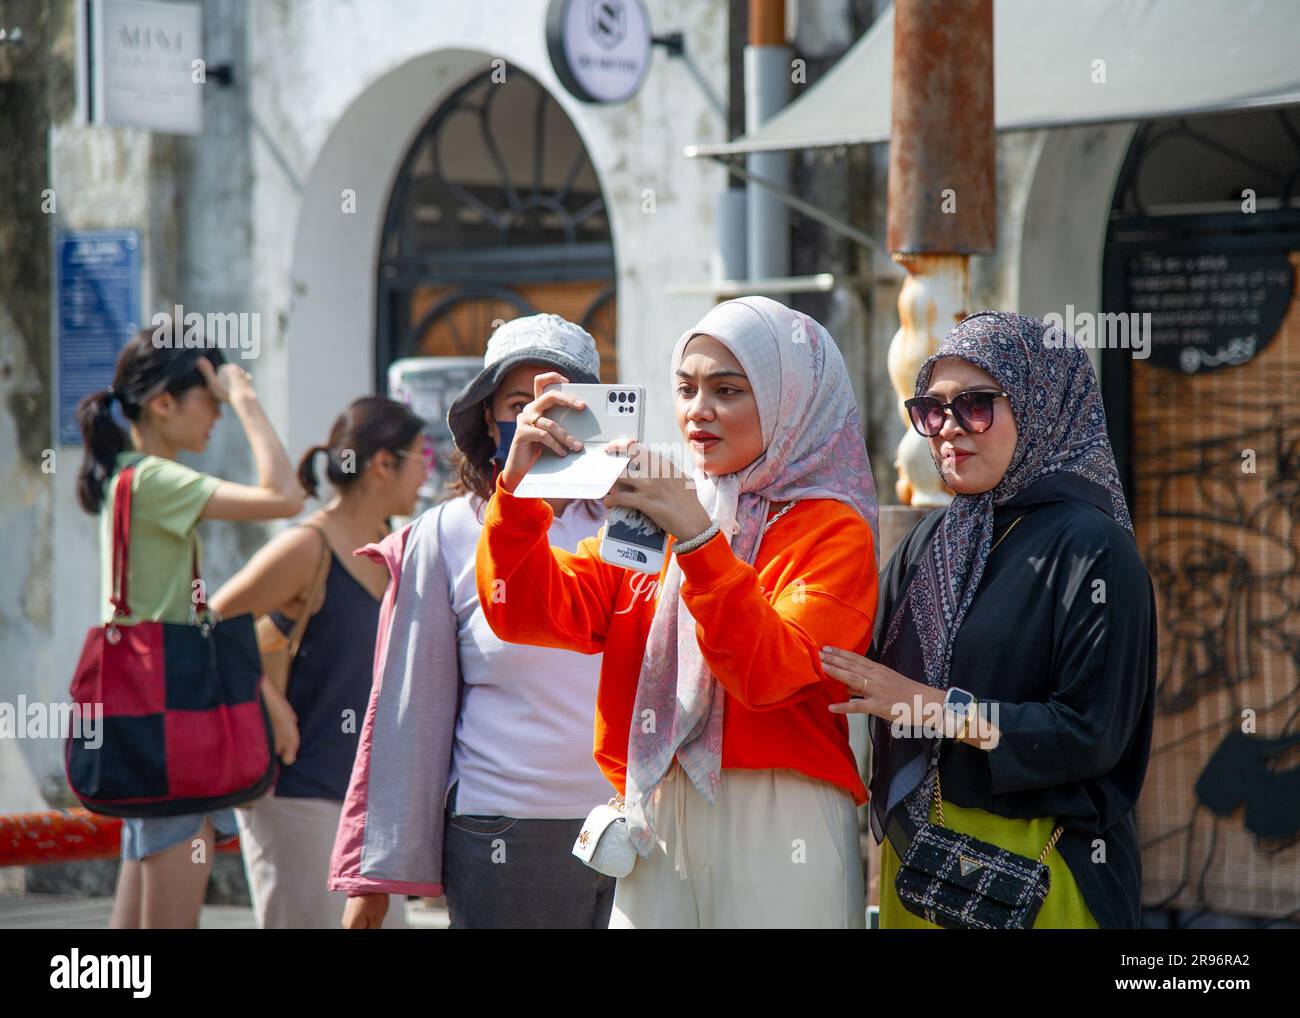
<point x="633" y="554"/>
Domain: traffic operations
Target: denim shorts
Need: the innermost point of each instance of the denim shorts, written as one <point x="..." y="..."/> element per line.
<point x="144" y="836"/>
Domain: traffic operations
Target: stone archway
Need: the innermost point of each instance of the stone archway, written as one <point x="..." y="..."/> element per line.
<point x="329" y="355"/>
<point x="498" y="211"/>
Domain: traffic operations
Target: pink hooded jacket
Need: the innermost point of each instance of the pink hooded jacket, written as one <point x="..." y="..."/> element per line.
<point x="390" y="833"/>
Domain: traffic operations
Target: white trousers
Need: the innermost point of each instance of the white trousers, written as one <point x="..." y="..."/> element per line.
<point x="286" y="845"/>
<point x="776" y="850"/>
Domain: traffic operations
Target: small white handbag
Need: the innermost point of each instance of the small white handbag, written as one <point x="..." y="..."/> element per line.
<point x="604" y="843"/>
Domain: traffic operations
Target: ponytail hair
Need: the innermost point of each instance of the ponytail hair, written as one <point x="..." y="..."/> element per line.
<point x="145" y="369"/>
<point x="367" y="426"/>
<point x="307" y="470"/>
<point x="103" y="440"/>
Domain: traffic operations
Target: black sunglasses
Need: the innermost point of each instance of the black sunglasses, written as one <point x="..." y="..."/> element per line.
<point x="972" y="409"/>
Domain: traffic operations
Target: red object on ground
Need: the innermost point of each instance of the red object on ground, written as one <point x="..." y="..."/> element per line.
<point x="65" y="835"/>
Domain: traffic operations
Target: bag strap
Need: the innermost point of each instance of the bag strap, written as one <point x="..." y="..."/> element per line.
<point x="938" y="745"/>
<point x="117" y="591"/>
<point x="300" y="624"/>
<point x="201" y="605"/>
<point x="904" y="830"/>
<point x="120" y="555"/>
<point x="938" y="808"/>
<point x="1003" y="537"/>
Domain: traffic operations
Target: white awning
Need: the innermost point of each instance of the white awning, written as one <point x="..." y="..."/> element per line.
<point x="1162" y="58"/>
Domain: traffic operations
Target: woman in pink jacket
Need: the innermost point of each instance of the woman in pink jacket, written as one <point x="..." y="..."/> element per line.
<point x="475" y="770"/>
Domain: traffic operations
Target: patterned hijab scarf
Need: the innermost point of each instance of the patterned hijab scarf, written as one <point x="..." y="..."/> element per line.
<point x="812" y="449"/>
<point x="1062" y="452"/>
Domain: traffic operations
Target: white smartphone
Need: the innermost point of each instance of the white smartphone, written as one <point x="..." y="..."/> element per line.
<point x="611" y="411"/>
<point x="632" y="540"/>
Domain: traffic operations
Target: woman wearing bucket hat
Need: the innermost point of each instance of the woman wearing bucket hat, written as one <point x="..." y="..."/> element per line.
<point x="711" y="716"/>
<point x="474" y="771"/>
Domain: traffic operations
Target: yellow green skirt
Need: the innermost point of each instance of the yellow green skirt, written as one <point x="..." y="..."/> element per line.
<point x="1063" y="908"/>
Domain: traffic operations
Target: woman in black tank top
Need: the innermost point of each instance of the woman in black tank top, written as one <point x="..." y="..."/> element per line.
<point x="376" y="464"/>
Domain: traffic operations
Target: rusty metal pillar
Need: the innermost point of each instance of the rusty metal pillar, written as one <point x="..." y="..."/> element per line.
<point x="942" y="196"/>
<point x="942" y="209"/>
<point x="767" y="91"/>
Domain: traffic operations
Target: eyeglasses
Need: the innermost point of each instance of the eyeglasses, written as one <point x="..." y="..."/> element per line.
<point x="973" y="411"/>
<point x="427" y="452"/>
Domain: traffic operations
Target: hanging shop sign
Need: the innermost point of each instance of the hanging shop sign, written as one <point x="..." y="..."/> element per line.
<point x="141" y="64"/>
<point x="600" y="49"/>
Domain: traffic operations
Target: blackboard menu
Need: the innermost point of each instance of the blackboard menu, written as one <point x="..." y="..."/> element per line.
<point x="1208" y="310"/>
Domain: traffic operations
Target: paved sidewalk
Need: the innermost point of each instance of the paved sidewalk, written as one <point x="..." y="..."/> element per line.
<point x="55" y="912"/>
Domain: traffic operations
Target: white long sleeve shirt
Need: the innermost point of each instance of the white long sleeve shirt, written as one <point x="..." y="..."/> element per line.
<point x="525" y="733"/>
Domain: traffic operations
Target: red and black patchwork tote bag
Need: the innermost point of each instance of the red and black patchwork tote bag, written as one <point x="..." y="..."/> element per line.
<point x="183" y="727"/>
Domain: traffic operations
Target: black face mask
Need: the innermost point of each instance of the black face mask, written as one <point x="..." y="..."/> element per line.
<point x="507" y="430"/>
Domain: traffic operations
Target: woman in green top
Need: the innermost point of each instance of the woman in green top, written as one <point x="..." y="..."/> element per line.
<point x="1019" y="622"/>
<point x="171" y="399"/>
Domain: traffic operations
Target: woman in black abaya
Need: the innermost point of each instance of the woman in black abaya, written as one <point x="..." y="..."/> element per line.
<point x="1027" y="598"/>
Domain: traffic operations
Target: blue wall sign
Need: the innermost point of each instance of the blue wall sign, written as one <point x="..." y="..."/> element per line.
<point x="97" y="298"/>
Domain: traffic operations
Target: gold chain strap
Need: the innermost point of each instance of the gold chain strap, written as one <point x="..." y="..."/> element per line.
<point x="938" y="809"/>
<point x="938" y="796"/>
<point x="1005" y="533"/>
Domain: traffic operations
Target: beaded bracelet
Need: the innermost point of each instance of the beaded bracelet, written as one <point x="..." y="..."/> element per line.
<point x="696" y="542"/>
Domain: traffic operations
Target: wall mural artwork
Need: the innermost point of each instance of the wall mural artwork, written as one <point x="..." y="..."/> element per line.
<point x="1216" y="459"/>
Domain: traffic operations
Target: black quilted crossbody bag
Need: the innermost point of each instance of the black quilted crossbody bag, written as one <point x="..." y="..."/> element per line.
<point x="961" y="883"/>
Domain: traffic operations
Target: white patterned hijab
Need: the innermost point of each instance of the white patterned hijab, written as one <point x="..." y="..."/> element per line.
<point x="812" y="449"/>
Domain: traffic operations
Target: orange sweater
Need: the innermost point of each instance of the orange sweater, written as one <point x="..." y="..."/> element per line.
<point x="760" y="629"/>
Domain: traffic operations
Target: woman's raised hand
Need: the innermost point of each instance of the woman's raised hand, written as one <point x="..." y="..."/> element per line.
<point x="660" y="488"/>
<point x="535" y="430"/>
<point x="226" y="382"/>
<point x="883" y="691"/>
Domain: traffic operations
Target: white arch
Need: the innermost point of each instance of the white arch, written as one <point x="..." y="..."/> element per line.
<point x="373" y="117"/>
<point x="1062" y="236"/>
<point x="330" y="335"/>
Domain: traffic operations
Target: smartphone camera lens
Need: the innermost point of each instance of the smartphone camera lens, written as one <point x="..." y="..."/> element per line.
<point x="622" y="397"/>
<point x="612" y="397"/>
<point x="631" y="397"/>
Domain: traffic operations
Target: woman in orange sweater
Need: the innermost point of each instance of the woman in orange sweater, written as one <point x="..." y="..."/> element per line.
<point x="712" y="711"/>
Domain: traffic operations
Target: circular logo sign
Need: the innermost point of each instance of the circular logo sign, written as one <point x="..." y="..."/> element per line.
<point x="600" y="49"/>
